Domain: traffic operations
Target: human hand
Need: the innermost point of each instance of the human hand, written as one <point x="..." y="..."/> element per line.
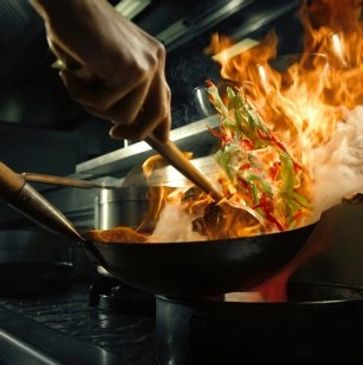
<point x="119" y="69"/>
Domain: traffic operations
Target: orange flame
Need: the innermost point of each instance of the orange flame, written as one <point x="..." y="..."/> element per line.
<point x="304" y="103"/>
<point x="301" y="106"/>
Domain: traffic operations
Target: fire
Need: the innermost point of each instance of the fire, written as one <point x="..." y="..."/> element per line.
<point x="279" y="130"/>
<point x="291" y="143"/>
<point x="304" y="104"/>
<point x="299" y="111"/>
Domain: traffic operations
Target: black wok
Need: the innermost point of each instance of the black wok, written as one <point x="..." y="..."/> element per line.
<point x="203" y="268"/>
<point x="207" y="268"/>
<point x="183" y="269"/>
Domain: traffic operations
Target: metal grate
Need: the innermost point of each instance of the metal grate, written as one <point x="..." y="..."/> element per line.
<point x="130" y="337"/>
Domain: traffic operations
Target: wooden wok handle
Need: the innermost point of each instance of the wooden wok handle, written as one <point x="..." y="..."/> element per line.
<point x="10" y="182"/>
<point x="36" y="207"/>
<point x="171" y="152"/>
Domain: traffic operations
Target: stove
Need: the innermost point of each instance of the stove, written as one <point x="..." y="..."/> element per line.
<point x="320" y="322"/>
<point x="114" y="324"/>
<point x="109" y="294"/>
<point x="66" y="329"/>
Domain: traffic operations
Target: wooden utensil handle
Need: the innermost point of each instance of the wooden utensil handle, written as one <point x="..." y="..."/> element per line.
<point x="59" y="180"/>
<point x="10" y="182"/>
<point x="171" y="152"/>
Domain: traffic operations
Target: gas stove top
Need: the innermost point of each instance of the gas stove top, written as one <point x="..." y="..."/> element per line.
<point x="64" y="329"/>
<point x="114" y="324"/>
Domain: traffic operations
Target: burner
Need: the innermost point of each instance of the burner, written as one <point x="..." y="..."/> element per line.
<point x="319" y="322"/>
<point x="112" y="295"/>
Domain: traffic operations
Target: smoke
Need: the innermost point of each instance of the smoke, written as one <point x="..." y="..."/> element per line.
<point x="338" y="165"/>
<point x="174" y="225"/>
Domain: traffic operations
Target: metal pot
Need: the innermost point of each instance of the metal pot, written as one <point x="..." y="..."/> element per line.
<point x="128" y="204"/>
<point x="124" y="206"/>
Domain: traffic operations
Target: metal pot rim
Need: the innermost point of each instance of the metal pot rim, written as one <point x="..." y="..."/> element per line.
<point x="128" y="193"/>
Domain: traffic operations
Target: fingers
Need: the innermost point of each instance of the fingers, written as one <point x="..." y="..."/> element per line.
<point x="145" y="109"/>
<point x="136" y="115"/>
<point x="155" y="114"/>
<point x="135" y="132"/>
<point x="163" y="129"/>
<point x="92" y="94"/>
<point x="127" y="109"/>
<point x="62" y="55"/>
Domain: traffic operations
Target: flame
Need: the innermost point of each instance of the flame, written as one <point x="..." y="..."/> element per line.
<point x="311" y="116"/>
<point x="298" y="111"/>
<point x="303" y="104"/>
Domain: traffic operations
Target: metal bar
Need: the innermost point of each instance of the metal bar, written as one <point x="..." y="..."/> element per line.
<point x="192" y="137"/>
<point x="63" y="181"/>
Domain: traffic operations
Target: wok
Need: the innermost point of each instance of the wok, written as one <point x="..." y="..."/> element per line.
<point x="184" y="269"/>
<point x="190" y="269"/>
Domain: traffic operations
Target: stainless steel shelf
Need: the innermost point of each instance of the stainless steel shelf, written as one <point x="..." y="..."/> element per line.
<point x="193" y="137"/>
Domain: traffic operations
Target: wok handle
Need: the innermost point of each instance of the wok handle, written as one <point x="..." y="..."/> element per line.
<point x="10" y="182"/>
<point x="27" y="201"/>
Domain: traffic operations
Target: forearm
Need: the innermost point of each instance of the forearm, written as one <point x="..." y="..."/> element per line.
<point x="64" y="13"/>
<point x="51" y="6"/>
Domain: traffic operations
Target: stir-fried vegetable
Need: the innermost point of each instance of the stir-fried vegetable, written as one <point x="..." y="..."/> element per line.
<point x="260" y="168"/>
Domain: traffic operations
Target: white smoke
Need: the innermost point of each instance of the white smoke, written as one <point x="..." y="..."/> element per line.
<point x="174" y="225"/>
<point x="338" y="165"/>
